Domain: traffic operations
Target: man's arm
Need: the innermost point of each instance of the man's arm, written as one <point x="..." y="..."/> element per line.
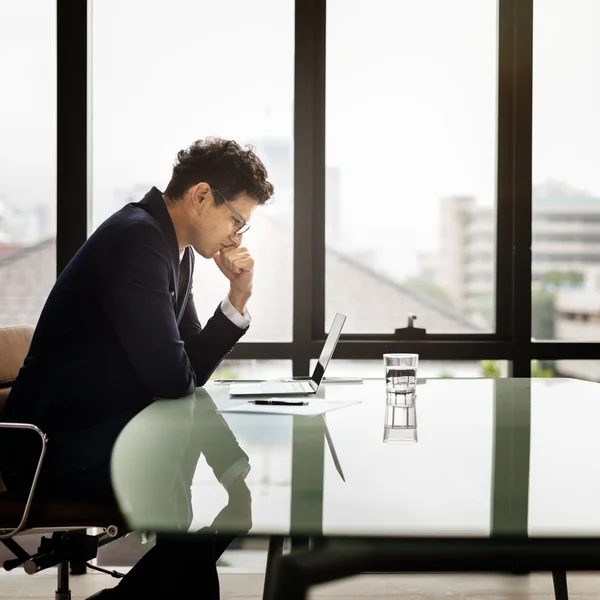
<point x="215" y="439"/>
<point x="134" y="293"/>
<point x="207" y="346"/>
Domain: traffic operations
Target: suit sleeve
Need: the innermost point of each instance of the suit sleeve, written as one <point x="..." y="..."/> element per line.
<point x="207" y="346"/>
<point x="134" y="293"/>
<point x="218" y="443"/>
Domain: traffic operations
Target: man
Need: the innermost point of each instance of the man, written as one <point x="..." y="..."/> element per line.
<point x="120" y="329"/>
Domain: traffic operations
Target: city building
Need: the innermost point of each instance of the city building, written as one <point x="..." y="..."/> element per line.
<point x="566" y="238"/>
<point x="577" y="319"/>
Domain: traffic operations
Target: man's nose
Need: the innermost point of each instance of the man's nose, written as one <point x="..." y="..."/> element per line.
<point x="237" y="239"/>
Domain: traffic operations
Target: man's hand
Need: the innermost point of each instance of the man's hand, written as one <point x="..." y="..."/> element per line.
<point x="238" y="266"/>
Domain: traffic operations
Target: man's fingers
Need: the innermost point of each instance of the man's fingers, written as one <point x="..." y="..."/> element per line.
<point x="237" y="257"/>
<point x="232" y="250"/>
<point x="241" y="264"/>
<point x="234" y="260"/>
<point x="237" y="261"/>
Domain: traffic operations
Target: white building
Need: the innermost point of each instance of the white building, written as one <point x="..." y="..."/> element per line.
<point x="577" y="319"/>
<point x="566" y="237"/>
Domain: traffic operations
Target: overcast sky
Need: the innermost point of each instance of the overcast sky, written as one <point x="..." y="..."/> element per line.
<point x="411" y="98"/>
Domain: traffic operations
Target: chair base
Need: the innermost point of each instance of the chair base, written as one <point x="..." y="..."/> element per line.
<point x="62" y="585"/>
<point x="60" y="550"/>
<point x="63" y="546"/>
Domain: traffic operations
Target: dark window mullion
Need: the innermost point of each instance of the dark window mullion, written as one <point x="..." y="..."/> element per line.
<point x="309" y="178"/>
<point x="428" y="350"/>
<point x="72" y="127"/>
<point x="523" y="119"/>
<point x="505" y="169"/>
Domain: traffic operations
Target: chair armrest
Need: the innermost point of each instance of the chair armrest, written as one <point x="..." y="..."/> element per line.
<point x="11" y="533"/>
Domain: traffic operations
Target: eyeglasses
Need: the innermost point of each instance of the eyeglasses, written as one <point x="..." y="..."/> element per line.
<point x="244" y="226"/>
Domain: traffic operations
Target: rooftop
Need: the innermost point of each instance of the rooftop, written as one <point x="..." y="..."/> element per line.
<point x="373" y="303"/>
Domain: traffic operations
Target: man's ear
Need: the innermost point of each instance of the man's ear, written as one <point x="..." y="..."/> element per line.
<point x="201" y="191"/>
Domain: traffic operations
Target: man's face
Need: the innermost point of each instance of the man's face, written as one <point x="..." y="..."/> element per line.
<point x="212" y="227"/>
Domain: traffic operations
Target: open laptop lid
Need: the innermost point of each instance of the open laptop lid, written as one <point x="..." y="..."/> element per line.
<point x="328" y="349"/>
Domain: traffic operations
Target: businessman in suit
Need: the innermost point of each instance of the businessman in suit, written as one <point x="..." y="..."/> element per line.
<point x="120" y="329"/>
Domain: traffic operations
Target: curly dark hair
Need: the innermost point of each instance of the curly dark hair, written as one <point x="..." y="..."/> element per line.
<point x="224" y="165"/>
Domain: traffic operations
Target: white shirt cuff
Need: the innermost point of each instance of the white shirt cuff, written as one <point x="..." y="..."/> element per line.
<point x="231" y="312"/>
<point x="236" y="470"/>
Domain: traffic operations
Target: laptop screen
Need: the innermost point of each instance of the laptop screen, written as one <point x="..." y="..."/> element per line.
<point x="328" y="348"/>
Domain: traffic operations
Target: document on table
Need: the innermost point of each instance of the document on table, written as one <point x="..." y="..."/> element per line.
<point x="314" y="407"/>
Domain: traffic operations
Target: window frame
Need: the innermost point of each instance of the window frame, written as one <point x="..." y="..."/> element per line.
<point x="511" y="341"/>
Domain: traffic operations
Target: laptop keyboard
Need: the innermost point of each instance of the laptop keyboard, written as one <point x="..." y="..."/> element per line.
<point x="274" y="387"/>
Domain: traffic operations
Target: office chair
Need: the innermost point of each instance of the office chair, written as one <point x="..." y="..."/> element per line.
<point x="68" y="522"/>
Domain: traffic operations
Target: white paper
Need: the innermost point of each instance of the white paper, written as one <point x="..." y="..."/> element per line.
<point x="314" y="407"/>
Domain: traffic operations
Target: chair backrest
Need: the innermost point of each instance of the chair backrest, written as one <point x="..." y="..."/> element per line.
<point x="14" y="345"/>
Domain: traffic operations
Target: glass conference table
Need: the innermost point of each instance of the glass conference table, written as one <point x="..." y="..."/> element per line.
<point x="504" y="476"/>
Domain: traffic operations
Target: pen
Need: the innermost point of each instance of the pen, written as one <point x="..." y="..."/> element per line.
<point x="280" y="402"/>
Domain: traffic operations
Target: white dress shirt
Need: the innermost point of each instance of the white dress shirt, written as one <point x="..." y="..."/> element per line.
<point x="232" y="313"/>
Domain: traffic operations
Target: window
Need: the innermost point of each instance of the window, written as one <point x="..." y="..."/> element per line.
<point x="411" y="160"/>
<point x="166" y="74"/>
<point x="27" y="159"/>
<point x="566" y="179"/>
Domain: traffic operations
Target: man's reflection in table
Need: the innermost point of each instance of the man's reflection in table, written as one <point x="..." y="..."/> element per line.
<point x="160" y="474"/>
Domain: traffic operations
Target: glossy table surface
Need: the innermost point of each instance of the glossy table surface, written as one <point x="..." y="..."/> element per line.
<point x="514" y="457"/>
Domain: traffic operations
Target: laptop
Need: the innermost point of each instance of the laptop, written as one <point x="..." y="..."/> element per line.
<point x="296" y="388"/>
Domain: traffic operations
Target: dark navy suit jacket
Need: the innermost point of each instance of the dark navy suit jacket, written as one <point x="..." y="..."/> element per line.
<point x="118" y="329"/>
